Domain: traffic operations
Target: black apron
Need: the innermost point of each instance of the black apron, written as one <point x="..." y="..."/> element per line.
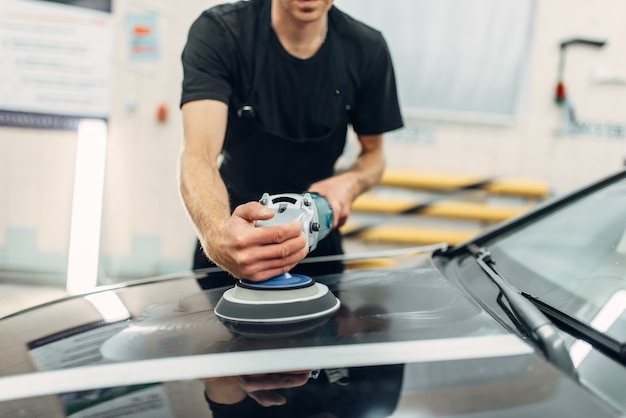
<point x="256" y="159"/>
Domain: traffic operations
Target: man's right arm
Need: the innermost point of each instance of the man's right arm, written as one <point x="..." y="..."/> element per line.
<point x="202" y="189"/>
<point x="232" y="242"/>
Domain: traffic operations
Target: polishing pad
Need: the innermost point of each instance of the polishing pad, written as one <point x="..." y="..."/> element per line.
<point x="280" y="302"/>
<point x="283" y="281"/>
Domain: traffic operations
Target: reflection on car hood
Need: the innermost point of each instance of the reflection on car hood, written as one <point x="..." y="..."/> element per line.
<point x="166" y="331"/>
<point x="399" y="309"/>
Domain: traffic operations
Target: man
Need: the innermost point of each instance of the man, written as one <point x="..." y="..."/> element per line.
<point x="269" y="89"/>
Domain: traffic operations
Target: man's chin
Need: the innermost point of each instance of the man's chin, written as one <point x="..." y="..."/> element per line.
<point x="308" y="11"/>
<point x="306" y="16"/>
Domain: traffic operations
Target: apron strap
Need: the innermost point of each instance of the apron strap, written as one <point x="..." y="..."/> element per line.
<point x="246" y="111"/>
<point x="260" y="52"/>
<point x="337" y="54"/>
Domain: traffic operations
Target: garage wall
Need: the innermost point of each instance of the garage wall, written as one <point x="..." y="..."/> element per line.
<point x="145" y="230"/>
<point x="535" y="146"/>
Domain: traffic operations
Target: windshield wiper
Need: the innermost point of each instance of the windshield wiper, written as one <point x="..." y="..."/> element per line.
<point x="537" y="326"/>
<point x="599" y="340"/>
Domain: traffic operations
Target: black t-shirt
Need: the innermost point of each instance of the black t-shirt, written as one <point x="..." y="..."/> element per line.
<point x="297" y="87"/>
<point x="218" y="63"/>
<point x="350" y="80"/>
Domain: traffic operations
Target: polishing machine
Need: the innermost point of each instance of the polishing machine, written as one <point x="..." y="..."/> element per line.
<point x="289" y="300"/>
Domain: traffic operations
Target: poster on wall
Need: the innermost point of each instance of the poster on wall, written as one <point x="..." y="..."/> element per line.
<point x="55" y="62"/>
<point x="143" y="42"/>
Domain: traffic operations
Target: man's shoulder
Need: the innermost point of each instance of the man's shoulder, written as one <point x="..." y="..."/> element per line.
<point x="229" y="26"/>
<point x="238" y="13"/>
<point x="355" y="30"/>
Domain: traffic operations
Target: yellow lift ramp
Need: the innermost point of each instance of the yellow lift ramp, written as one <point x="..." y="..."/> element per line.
<point x="403" y="234"/>
<point x="527" y="188"/>
<point x="458" y="209"/>
<point x="446" y="206"/>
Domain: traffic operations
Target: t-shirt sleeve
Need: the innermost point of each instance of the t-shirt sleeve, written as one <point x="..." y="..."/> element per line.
<point x="205" y="59"/>
<point x="376" y="109"/>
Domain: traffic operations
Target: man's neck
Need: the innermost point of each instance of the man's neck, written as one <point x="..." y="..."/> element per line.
<point x="301" y="39"/>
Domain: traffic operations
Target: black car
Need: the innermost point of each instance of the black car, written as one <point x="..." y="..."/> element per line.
<point x="525" y="320"/>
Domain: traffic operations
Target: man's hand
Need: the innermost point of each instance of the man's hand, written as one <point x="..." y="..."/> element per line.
<point x="252" y="253"/>
<point x="342" y="189"/>
<point x="231" y="390"/>
<point x="339" y="192"/>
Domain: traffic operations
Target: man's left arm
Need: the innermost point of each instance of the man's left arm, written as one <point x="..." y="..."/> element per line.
<point x="342" y="189"/>
<point x="377" y="110"/>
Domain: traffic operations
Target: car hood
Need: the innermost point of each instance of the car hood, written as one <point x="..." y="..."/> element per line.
<point x="451" y="357"/>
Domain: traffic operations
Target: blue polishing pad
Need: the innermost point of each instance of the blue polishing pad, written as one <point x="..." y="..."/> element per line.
<point x="283" y="281"/>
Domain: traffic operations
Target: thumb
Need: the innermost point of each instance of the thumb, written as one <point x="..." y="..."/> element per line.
<point x="267" y="398"/>
<point x="253" y="211"/>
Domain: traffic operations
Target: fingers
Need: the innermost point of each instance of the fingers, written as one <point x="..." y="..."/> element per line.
<point x="338" y="196"/>
<point x="230" y="390"/>
<point x="268" y="398"/>
<point x="270" y="251"/>
<point x="258" y="269"/>
<point x="247" y="234"/>
<point x="341" y="211"/>
<point x="257" y="253"/>
<point x="270" y="381"/>
<point x="259" y="387"/>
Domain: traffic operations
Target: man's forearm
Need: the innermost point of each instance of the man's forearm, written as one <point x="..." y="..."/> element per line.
<point x="367" y="171"/>
<point x="204" y="194"/>
<point x="368" y="168"/>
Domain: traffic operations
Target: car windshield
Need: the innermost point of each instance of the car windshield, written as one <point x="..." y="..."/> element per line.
<point x="574" y="259"/>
